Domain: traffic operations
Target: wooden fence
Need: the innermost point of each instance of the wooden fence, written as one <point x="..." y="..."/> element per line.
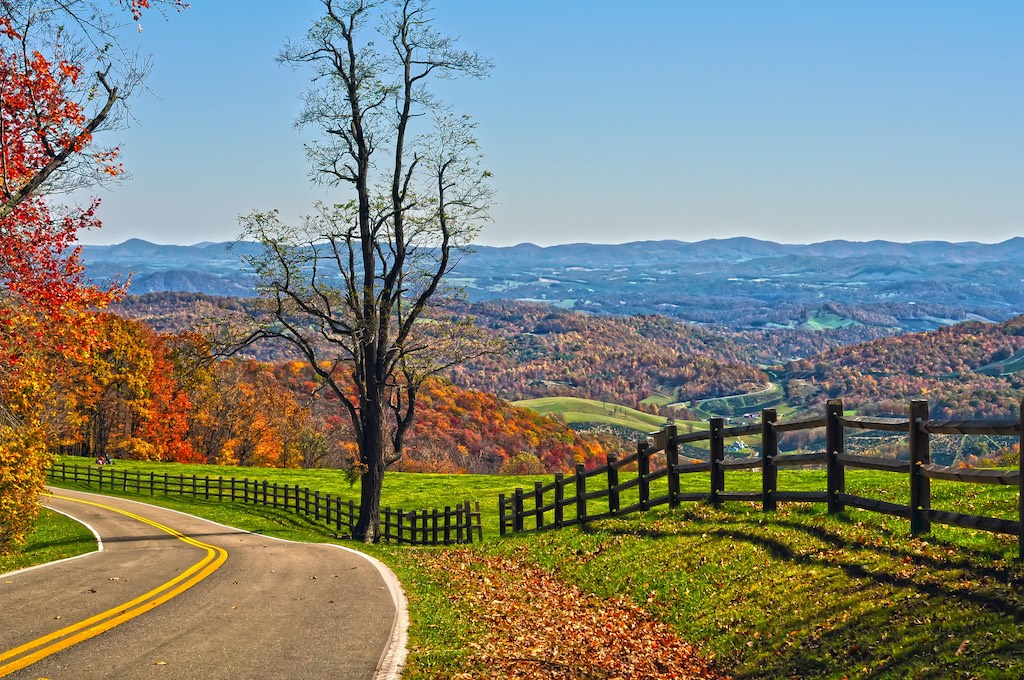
<point x="423" y="527"/>
<point x="570" y="500"/>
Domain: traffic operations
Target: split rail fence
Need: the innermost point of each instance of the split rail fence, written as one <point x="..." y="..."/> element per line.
<point x="573" y="499"/>
<point x="417" y="527"/>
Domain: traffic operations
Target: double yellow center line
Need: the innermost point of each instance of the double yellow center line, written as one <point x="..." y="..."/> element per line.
<point x="30" y="652"/>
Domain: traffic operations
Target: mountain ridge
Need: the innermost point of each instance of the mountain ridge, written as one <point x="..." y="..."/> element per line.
<point x="739" y="282"/>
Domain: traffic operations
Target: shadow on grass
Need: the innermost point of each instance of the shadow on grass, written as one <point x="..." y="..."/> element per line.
<point x="894" y="613"/>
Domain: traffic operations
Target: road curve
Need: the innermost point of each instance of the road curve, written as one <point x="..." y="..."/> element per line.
<point x="174" y="596"/>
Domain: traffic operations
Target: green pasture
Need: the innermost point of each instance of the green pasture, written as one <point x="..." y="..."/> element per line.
<point x="577" y="410"/>
<point x="1011" y="364"/>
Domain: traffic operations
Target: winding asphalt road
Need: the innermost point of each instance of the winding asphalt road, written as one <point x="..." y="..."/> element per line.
<point x="174" y="596"/>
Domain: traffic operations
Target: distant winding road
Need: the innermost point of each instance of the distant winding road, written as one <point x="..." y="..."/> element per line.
<point x="174" y="596"/>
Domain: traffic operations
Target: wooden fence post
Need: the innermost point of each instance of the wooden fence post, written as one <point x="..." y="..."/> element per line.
<point x="671" y="461"/>
<point x="769" y="449"/>
<point x="643" y="470"/>
<point x="468" y="513"/>
<point x="501" y="514"/>
<point x="717" y="455"/>
<point x="581" y="494"/>
<point x="538" y="503"/>
<point x="613" y="482"/>
<point x="834" y="442"/>
<point x="920" y="454"/>
<point x="517" y="511"/>
<point x="559" y="499"/>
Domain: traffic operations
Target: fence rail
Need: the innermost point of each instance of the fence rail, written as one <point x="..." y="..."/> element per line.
<point x="418" y="527"/>
<point x="590" y="495"/>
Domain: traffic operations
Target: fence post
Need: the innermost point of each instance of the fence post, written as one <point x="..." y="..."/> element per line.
<point x="671" y="461"/>
<point x="538" y="503"/>
<point x="717" y="447"/>
<point x="834" y="431"/>
<point x="501" y="514"/>
<point x="517" y="511"/>
<point x="769" y="449"/>
<point x="479" y="524"/>
<point x="920" y="454"/>
<point x="447" y="525"/>
<point x="559" y="498"/>
<point x="613" y="482"/>
<point x="643" y="470"/>
<point x="581" y="494"/>
<point x="351" y="517"/>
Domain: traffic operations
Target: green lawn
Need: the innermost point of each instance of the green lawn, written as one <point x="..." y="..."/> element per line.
<point x="795" y="593"/>
<point x="55" y="537"/>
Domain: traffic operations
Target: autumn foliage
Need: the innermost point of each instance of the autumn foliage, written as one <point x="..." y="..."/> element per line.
<point x="43" y="293"/>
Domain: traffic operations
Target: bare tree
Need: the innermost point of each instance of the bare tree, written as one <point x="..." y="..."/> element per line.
<point x="355" y="286"/>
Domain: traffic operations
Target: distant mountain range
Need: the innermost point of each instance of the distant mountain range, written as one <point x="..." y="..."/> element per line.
<point x="737" y="282"/>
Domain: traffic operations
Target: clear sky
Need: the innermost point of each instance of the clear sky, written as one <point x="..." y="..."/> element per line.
<point x="788" y="120"/>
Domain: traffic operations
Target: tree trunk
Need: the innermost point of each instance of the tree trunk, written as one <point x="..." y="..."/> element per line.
<point x="371" y="455"/>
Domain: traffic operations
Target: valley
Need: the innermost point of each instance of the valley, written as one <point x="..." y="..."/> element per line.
<point x="616" y="341"/>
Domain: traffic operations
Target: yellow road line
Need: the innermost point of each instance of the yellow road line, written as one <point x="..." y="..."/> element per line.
<point x="30" y="652"/>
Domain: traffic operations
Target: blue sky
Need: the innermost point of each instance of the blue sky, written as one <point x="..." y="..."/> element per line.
<point x="607" y="122"/>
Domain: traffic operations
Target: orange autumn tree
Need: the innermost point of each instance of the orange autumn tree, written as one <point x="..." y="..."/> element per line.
<point x="59" y="84"/>
<point x="126" y="398"/>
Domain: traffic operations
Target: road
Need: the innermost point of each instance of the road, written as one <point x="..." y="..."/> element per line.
<point x="174" y="596"/>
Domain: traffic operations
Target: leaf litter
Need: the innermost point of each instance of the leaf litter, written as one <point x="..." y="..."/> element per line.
<point x="533" y="625"/>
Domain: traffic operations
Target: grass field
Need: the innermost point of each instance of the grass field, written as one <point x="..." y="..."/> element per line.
<point x="577" y="410"/>
<point x="739" y="404"/>
<point x="795" y="593"/>
<point x="1011" y="364"/>
<point x="826" y="321"/>
<point x="55" y="537"/>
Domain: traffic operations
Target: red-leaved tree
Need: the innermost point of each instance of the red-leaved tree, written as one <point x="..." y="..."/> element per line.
<point x="62" y="78"/>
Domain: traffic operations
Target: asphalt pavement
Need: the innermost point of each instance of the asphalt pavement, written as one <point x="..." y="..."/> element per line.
<point x="170" y="595"/>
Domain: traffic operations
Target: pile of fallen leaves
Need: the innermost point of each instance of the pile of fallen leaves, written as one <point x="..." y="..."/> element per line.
<point x="532" y="625"/>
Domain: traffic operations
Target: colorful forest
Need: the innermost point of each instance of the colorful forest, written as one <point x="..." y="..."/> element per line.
<point x="143" y="395"/>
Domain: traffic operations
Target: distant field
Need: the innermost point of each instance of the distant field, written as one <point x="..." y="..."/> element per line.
<point x="738" y="404"/>
<point x="576" y="410"/>
<point x="818" y="322"/>
<point x="1011" y="364"/>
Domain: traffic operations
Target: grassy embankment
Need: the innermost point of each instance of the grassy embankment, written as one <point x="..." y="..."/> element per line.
<point x="795" y="593"/>
<point x="55" y="537"/>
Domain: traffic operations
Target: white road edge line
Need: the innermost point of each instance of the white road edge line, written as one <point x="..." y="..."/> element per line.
<point x="99" y="547"/>
<point x="389" y="667"/>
